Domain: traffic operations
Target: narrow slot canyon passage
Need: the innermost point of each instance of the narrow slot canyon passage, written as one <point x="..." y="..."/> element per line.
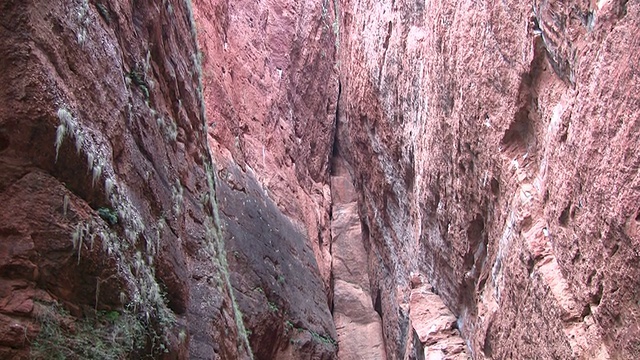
<point x="431" y="328"/>
<point x="319" y="179"/>
<point x="356" y="321"/>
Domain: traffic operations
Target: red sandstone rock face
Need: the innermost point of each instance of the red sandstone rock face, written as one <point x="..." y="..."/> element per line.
<point x="103" y="178"/>
<point x="434" y="324"/>
<point x="494" y="149"/>
<point x="271" y="90"/>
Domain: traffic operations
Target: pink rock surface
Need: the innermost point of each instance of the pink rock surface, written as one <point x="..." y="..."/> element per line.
<point x="435" y="325"/>
<point x="494" y="150"/>
<point x="271" y="90"/>
<point x="490" y="147"/>
<point x="358" y="325"/>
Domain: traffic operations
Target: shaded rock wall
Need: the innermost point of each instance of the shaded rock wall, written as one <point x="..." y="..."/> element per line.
<point x="493" y="145"/>
<point x="274" y="274"/>
<point x="270" y="88"/>
<point x="106" y="180"/>
<point x="271" y="91"/>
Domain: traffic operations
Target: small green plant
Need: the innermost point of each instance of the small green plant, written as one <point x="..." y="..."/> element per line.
<point x="112" y="316"/>
<point x="177" y="197"/>
<point x="104" y="12"/>
<point x="288" y="326"/>
<point x="182" y="336"/>
<point x="273" y="307"/>
<point x="139" y="79"/>
<point x="170" y="128"/>
<point x="108" y="215"/>
<point x="107" y="335"/>
<point x="323" y="339"/>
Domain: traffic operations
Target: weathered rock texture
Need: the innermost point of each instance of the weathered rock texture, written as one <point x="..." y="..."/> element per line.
<point x="105" y="179"/>
<point x="271" y="88"/>
<point x="359" y="326"/>
<point x="491" y="146"/>
<point x="274" y="274"/>
<point x="434" y="324"/>
<point x="494" y="149"/>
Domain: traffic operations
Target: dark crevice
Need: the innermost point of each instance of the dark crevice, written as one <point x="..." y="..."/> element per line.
<point x="332" y="158"/>
<point x="384" y="55"/>
<point x="330" y="297"/>
<point x="4" y="141"/>
<point x="335" y="148"/>
<point x="377" y="305"/>
<point x="495" y="187"/>
<point x="519" y="140"/>
<point x="564" y="216"/>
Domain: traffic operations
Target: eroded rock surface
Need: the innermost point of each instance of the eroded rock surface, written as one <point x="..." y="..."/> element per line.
<point x="106" y="184"/>
<point x="270" y="90"/>
<point x="434" y="324"/>
<point x="493" y="147"/>
<point x="490" y="146"/>
<point x="274" y="274"/>
<point x="358" y="324"/>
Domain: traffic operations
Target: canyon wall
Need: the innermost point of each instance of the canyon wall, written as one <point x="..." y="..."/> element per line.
<point x="115" y="222"/>
<point x="319" y="179"/>
<point x="271" y="88"/>
<point x="106" y="184"/>
<point x="494" y="152"/>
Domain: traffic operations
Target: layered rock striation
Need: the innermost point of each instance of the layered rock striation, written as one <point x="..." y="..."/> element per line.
<point x="109" y="238"/>
<point x="271" y="91"/>
<point x="493" y="147"/>
<point x="270" y="88"/>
